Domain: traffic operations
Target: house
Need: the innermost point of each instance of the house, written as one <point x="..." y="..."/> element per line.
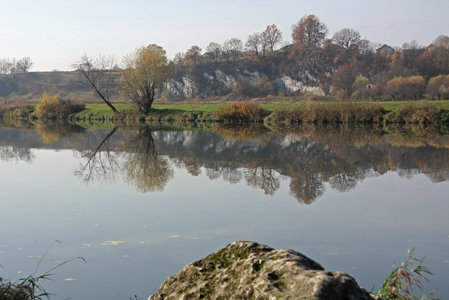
<point x="209" y="56"/>
<point x="251" y="53"/>
<point x="385" y="50"/>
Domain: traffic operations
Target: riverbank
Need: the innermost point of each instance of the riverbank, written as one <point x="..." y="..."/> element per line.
<point x="406" y="112"/>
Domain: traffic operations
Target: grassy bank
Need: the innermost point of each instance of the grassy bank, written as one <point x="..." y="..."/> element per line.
<point x="306" y="112"/>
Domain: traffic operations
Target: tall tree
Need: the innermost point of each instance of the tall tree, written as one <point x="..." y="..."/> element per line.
<point x="99" y="74"/>
<point x="24" y="65"/>
<point x="194" y="54"/>
<point x="232" y="48"/>
<point x="214" y="49"/>
<point x="343" y="80"/>
<point x="309" y="31"/>
<point x="254" y="42"/>
<point x="273" y="36"/>
<point x="179" y="58"/>
<point x="145" y="71"/>
<point x="348" y="39"/>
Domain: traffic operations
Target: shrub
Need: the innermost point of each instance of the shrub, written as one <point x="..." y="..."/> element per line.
<point x="332" y="112"/>
<point x="53" y="107"/>
<point x="15" y="110"/>
<point x="415" y="112"/>
<point x="240" y="112"/>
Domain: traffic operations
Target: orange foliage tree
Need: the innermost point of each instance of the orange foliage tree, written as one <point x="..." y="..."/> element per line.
<point x="194" y="54"/>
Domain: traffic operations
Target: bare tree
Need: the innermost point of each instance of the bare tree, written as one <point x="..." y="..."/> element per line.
<point x="442" y="41"/>
<point x="56" y="77"/>
<point x="348" y="39"/>
<point x="254" y="42"/>
<point x="99" y="74"/>
<point x="215" y="49"/>
<point x="8" y="66"/>
<point x="24" y="65"/>
<point x="235" y="47"/>
<point x="179" y="57"/>
<point x="226" y="50"/>
<point x="273" y="36"/>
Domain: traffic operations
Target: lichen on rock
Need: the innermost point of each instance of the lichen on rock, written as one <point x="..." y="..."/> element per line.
<point x="248" y="270"/>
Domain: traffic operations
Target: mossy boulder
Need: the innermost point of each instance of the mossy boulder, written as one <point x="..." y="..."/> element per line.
<point x="248" y="270"/>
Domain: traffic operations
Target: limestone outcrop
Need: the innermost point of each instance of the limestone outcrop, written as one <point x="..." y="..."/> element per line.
<point x="248" y="270"/>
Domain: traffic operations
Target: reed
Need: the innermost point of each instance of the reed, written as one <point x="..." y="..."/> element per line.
<point x="402" y="280"/>
<point x="420" y="112"/>
<point x="15" y="110"/>
<point x="240" y="112"/>
<point x="331" y="112"/>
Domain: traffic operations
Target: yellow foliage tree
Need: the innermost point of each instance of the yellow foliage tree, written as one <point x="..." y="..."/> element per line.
<point x="144" y="72"/>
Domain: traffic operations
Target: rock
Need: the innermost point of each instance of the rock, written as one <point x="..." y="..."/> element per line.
<point x="248" y="270"/>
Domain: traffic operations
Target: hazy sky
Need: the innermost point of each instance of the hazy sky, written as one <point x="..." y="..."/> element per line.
<point x="55" y="32"/>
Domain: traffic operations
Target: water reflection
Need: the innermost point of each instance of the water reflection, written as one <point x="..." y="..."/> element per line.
<point x="309" y="158"/>
<point x="142" y="166"/>
<point x="137" y="161"/>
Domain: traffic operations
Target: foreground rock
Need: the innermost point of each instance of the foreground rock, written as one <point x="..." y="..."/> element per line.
<point x="247" y="270"/>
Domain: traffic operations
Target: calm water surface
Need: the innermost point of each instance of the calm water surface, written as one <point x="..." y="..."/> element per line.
<point x="138" y="205"/>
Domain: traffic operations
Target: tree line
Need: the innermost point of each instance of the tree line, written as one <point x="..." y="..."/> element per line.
<point x="344" y="66"/>
<point x="13" y="66"/>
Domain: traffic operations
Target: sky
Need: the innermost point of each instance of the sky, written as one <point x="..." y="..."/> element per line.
<point x="54" y="33"/>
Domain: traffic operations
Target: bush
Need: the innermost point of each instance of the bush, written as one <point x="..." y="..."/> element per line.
<point x="240" y="112"/>
<point x="15" y="110"/>
<point x="52" y="107"/>
<point x="332" y="112"/>
<point x="415" y="112"/>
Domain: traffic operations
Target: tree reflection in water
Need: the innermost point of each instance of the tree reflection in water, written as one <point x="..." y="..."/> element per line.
<point x="137" y="162"/>
<point x="309" y="157"/>
<point x="142" y="166"/>
<point x="16" y="154"/>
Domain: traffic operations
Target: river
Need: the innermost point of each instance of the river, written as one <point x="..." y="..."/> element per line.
<point x="138" y="204"/>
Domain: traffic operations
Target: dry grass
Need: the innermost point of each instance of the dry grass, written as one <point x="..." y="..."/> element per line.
<point x="240" y="112"/>
<point x="415" y="113"/>
<point x="333" y="112"/>
<point x="15" y="110"/>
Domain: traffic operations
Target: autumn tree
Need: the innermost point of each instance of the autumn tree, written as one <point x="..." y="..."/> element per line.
<point x="416" y="86"/>
<point x="309" y="31"/>
<point x="394" y="87"/>
<point x="438" y="85"/>
<point x="194" y="54"/>
<point x="342" y="81"/>
<point x="272" y="36"/>
<point x="407" y="88"/>
<point x="440" y="52"/>
<point x="254" y="42"/>
<point x="214" y="49"/>
<point x="145" y="71"/>
<point x="100" y="74"/>
<point x="360" y="88"/>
